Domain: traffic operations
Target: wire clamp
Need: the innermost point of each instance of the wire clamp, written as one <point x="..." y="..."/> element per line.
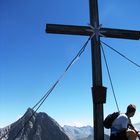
<point x="96" y="30"/>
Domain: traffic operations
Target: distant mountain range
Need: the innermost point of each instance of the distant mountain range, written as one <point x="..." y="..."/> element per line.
<point x="77" y="133"/>
<point x="43" y="127"/>
<point x="81" y="133"/>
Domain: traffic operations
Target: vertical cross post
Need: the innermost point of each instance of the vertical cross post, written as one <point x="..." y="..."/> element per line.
<point x="96" y="73"/>
<point x="98" y="91"/>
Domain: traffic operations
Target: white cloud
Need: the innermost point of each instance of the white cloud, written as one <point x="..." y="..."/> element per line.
<point x="77" y="123"/>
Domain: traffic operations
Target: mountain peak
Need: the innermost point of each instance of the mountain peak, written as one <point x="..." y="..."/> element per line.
<point x="29" y="111"/>
<point x="35" y="126"/>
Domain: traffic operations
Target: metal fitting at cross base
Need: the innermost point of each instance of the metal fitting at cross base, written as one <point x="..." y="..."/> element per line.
<point x="99" y="94"/>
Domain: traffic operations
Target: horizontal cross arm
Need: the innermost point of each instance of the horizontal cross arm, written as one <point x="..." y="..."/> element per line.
<point x="121" y="33"/>
<point x="68" y="29"/>
<point x="87" y="31"/>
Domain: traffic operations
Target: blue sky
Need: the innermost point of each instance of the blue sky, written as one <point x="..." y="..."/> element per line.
<point x="31" y="60"/>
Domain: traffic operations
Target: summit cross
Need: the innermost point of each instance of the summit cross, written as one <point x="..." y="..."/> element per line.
<point x="98" y="91"/>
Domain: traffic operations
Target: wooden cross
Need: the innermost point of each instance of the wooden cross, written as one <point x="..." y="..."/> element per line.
<point x="98" y="91"/>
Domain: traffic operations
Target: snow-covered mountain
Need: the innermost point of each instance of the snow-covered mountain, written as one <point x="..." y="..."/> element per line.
<point x="80" y="133"/>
